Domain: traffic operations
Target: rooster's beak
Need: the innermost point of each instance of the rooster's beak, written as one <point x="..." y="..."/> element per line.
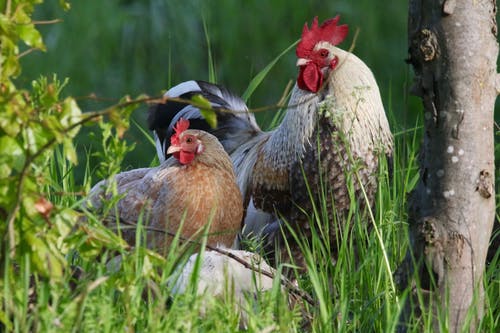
<point x="302" y="62"/>
<point x="173" y="149"/>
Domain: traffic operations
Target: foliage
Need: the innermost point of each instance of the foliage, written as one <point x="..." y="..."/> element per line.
<point x="56" y="262"/>
<point x="36" y="229"/>
<point x="31" y="123"/>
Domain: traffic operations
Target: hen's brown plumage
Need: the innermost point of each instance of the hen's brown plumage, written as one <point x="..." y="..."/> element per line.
<point x="200" y="192"/>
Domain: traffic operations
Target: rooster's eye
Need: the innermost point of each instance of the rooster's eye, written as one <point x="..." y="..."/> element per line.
<point x="189" y="140"/>
<point x="323" y="53"/>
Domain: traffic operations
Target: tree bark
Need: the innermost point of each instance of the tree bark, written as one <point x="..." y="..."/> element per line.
<point x="453" y="50"/>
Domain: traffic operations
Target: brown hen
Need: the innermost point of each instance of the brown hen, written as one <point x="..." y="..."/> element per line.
<point x="195" y="187"/>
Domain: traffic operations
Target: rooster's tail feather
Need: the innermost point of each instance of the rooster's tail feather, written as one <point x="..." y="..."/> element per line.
<point x="235" y="125"/>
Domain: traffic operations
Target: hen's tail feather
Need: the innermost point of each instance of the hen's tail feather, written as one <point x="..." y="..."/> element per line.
<point x="233" y="129"/>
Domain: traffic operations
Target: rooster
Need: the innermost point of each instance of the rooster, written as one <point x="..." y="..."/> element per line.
<point x="195" y="187"/>
<point x="329" y="141"/>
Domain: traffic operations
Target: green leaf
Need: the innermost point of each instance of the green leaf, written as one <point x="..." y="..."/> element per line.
<point x="5" y="320"/>
<point x="205" y="109"/>
<point x="11" y="156"/>
<point x="64" y="222"/>
<point x="121" y="124"/>
<point x="71" y="114"/>
<point x="31" y="36"/>
<point x="263" y="73"/>
<point x="92" y="238"/>
<point x="47" y="262"/>
<point x="70" y="151"/>
<point x="65" y="5"/>
<point x="120" y="114"/>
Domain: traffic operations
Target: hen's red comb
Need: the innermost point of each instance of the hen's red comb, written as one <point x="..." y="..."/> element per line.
<point x="328" y="31"/>
<point x="181" y="126"/>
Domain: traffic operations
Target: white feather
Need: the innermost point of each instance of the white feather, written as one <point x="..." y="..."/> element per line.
<point x="183" y="88"/>
<point x="221" y="276"/>
<point x="160" y="148"/>
<point x="219" y="271"/>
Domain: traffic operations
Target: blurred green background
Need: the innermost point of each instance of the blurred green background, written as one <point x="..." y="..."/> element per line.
<point x="117" y="47"/>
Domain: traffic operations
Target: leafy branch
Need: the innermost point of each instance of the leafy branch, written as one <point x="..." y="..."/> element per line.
<point x="112" y="111"/>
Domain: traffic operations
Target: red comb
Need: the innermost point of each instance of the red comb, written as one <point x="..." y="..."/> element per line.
<point x="181" y="126"/>
<point x="328" y="31"/>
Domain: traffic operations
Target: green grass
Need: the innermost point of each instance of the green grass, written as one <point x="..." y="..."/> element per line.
<point x="354" y="294"/>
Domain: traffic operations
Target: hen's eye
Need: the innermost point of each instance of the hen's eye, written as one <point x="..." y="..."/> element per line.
<point x="323" y="53"/>
<point x="189" y="140"/>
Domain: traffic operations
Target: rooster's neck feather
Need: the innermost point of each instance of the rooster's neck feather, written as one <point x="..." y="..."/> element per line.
<point x="350" y="102"/>
<point x="285" y="146"/>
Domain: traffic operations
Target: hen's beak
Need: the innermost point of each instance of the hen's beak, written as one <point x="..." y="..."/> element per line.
<point x="302" y="62"/>
<point x="173" y="149"/>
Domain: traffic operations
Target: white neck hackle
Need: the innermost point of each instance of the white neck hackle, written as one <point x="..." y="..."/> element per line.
<point x="352" y="101"/>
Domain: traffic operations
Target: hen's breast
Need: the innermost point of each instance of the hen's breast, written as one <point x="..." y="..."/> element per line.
<point x="197" y="196"/>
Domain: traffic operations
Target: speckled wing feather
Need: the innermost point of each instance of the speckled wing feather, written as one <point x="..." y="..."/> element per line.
<point x="138" y="190"/>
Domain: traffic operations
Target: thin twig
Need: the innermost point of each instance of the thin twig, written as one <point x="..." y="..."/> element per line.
<point x="94" y="97"/>
<point x="28" y="51"/>
<point x="77" y="193"/>
<point x="7" y="8"/>
<point x="290" y="287"/>
<point x="47" y="21"/>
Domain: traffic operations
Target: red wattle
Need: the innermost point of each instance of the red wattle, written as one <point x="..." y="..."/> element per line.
<point x="310" y="77"/>
<point x="184" y="157"/>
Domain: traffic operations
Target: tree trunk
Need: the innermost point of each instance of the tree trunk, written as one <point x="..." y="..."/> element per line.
<point x="453" y="50"/>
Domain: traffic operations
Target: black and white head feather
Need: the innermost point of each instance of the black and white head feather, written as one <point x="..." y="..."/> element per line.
<point x="235" y="124"/>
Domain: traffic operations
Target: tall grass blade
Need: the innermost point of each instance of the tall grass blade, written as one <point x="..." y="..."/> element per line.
<point x="256" y="81"/>
<point x="212" y="75"/>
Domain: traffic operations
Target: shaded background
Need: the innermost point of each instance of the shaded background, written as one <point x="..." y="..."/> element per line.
<point x="117" y="47"/>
